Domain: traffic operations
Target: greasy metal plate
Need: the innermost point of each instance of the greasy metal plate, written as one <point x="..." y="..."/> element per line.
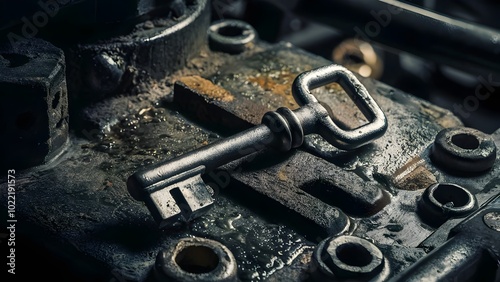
<point x="80" y="208"/>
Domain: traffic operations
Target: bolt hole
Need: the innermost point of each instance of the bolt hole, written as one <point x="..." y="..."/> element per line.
<point x="452" y="195"/>
<point x="354" y="254"/>
<point x="25" y="120"/>
<point x="15" y="60"/>
<point x="231" y="31"/>
<point x="465" y="141"/>
<point x="197" y="259"/>
<point x="55" y="101"/>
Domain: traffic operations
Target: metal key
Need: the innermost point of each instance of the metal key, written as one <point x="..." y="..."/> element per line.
<point x="174" y="190"/>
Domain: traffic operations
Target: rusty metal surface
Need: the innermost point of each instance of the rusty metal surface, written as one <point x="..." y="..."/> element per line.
<point x="399" y="161"/>
<point x="273" y="210"/>
<point x="173" y="189"/>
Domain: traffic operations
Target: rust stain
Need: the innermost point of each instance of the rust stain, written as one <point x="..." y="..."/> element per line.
<point x="206" y="88"/>
<point x="413" y="176"/>
<point x="442" y="117"/>
<point x="448" y="121"/>
<point x="279" y="83"/>
<point x="282" y="176"/>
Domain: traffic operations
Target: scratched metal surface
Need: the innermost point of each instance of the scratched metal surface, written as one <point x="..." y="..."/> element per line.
<point x="80" y="206"/>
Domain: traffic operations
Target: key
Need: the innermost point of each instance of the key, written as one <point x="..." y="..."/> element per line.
<point x="174" y="191"/>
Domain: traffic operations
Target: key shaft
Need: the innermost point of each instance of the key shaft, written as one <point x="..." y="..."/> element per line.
<point x="174" y="190"/>
<point x="281" y="130"/>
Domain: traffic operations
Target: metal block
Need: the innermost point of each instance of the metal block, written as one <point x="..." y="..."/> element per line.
<point x="80" y="207"/>
<point x="34" y="104"/>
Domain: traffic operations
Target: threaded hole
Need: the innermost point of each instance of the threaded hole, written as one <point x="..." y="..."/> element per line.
<point x="354" y="254"/>
<point x="465" y="141"/>
<point x="231" y="31"/>
<point x="451" y="195"/>
<point x="197" y="259"/>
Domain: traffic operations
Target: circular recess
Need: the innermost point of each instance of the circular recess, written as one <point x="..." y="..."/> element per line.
<point x="195" y="259"/>
<point x="351" y="257"/>
<point x="451" y="196"/>
<point x="465" y="141"/>
<point x="354" y="254"/>
<point x="442" y="201"/>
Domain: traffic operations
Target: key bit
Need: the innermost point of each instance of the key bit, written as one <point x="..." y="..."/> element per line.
<point x="174" y="191"/>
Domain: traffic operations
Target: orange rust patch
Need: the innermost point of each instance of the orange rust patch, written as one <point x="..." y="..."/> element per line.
<point x="278" y="83"/>
<point x="413" y="176"/>
<point x="207" y="88"/>
<point x="282" y="176"/>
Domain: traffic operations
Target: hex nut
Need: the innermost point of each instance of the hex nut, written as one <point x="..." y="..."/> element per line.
<point x="196" y="259"/>
<point x="346" y="257"/>
<point x="231" y="36"/>
<point x="34" y="103"/>
<point x="463" y="150"/>
<point x="442" y="201"/>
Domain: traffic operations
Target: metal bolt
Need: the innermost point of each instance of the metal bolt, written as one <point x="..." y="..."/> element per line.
<point x="442" y="201"/>
<point x="347" y="257"/>
<point x="231" y="36"/>
<point x="463" y="150"/>
<point x="358" y="56"/>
